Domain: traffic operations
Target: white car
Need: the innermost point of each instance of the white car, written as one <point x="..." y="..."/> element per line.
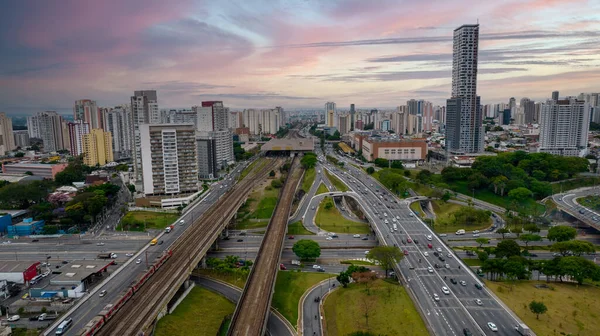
<point x="13" y="318"/>
<point x="445" y="290"/>
<point x="102" y="293"/>
<point x="439" y="250"/>
<point x="436" y="297"/>
<point x="393" y="219"/>
<point x="429" y="237"/>
<point x="429" y="269"/>
<point x="356" y="236"/>
<point x="366" y="252"/>
<point x="329" y="238"/>
<point x="397" y="217"/>
<point x="479" y="302"/>
<point x="492" y="326"/>
<point x="100" y="244"/>
<point x="447" y="266"/>
<point x="129" y="255"/>
<point x="449" y="255"/>
<point x="476" y="235"/>
<point x="139" y="261"/>
<point x="463" y="283"/>
<point x="426" y="254"/>
<point x="411" y="214"/>
<point x="316" y="266"/>
<point x="476" y="231"/>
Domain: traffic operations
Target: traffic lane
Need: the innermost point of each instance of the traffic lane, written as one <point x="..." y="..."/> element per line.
<point x="346" y="241"/>
<point x="338" y="254"/>
<point x="311" y="314"/>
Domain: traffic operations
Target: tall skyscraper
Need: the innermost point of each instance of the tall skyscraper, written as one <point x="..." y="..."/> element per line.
<point x="528" y="107"/>
<point x="117" y="121"/>
<point x="512" y="103"/>
<point x="87" y="111"/>
<point x="49" y="127"/>
<point x="352" y="113"/>
<point x="213" y="123"/>
<point x="564" y="127"/>
<point x="330" y="114"/>
<point x="97" y="147"/>
<point x="7" y="138"/>
<point x="464" y="120"/>
<point x="144" y="110"/>
<point x="77" y="130"/>
<point x="555" y="95"/>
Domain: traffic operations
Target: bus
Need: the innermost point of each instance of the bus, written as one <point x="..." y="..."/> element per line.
<point x="153" y="242"/>
<point x="64" y="326"/>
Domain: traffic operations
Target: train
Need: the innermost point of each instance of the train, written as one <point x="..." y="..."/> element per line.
<point x="93" y="326"/>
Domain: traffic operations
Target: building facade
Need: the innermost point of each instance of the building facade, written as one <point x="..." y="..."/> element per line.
<point x="117" y="121"/>
<point x="144" y="110"/>
<point x="77" y="130"/>
<point x="394" y="149"/>
<point x="169" y="162"/>
<point x="207" y="156"/>
<point x="21" y="139"/>
<point x="464" y="120"/>
<point x="7" y="138"/>
<point x="97" y="147"/>
<point x="48" y="126"/>
<point x="87" y="111"/>
<point x="330" y="113"/>
<point x="564" y="127"/>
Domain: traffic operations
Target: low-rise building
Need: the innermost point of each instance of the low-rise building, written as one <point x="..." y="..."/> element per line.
<point x="394" y="149"/>
<point x="18" y="271"/>
<point x="47" y="171"/>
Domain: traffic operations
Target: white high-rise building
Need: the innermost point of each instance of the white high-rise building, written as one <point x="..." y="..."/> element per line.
<point x="77" y="130"/>
<point x="49" y="127"/>
<point x="117" y="121"/>
<point x="213" y="122"/>
<point x="265" y="121"/>
<point x="87" y="111"/>
<point x="564" y="127"/>
<point x="464" y="120"/>
<point x="330" y="114"/>
<point x="7" y="138"/>
<point x="21" y="139"/>
<point x="144" y="110"/>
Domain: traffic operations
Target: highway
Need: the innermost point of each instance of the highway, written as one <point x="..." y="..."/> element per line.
<point x="312" y="320"/>
<point x="568" y="202"/>
<point x="91" y="304"/>
<point x="454" y="311"/>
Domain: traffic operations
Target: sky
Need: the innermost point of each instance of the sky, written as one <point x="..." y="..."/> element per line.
<point x="295" y="54"/>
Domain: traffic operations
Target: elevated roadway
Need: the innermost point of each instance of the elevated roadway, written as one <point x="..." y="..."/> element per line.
<point x="567" y="202"/>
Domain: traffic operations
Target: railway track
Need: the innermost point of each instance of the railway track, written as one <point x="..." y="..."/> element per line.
<point x="250" y="317"/>
<point x="137" y="314"/>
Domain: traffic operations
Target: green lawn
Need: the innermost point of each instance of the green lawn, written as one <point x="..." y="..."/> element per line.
<point x="322" y="189"/>
<point x="489" y="196"/>
<point x="248" y="224"/>
<point x="356" y="262"/>
<point x="333" y="221"/>
<point x="249" y="168"/>
<point x="267" y="200"/>
<point x="416" y="207"/>
<point x="472" y="261"/>
<point x="200" y="313"/>
<point x="289" y="288"/>
<point x="147" y="219"/>
<point x="391" y="311"/>
<point x="230" y="278"/>
<point x="339" y="185"/>
<point x="443" y="212"/>
<point x="571" y="308"/>
<point x="265" y="208"/>
<point x="309" y="178"/>
<point x="296" y="228"/>
<point x="578" y="183"/>
<point x="25" y="332"/>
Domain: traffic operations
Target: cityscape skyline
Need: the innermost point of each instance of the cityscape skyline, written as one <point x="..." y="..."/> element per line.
<point x="304" y="55"/>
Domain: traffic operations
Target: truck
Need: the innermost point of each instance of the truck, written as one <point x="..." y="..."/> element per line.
<point x="460" y="232"/>
<point x="523" y="329"/>
<point x="169" y="228"/>
<point x="107" y="256"/>
<point x="296" y="262"/>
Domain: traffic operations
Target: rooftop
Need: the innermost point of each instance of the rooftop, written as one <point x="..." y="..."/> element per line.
<point x="75" y="271"/>
<point x="289" y="144"/>
<point x="12" y="266"/>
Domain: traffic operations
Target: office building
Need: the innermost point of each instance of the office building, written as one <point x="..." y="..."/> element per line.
<point x="117" y="121"/>
<point x="144" y="110"/>
<point x="464" y="120"/>
<point x="555" y="95"/>
<point x="212" y="116"/>
<point x="505" y="117"/>
<point x="7" y="138"/>
<point x="50" y="128"/>
<point x="352" y="113"/>
<point x="330" y="114"/>
<point x="512" y="103"/>
<point x="97" y="147"/>
<point x="77" y="130"/>
<point x="87" y="111"/>
<point x="207" y="156"/>
<point x="169" y="161"/>
<point x="21" y="139"/>
<point x="394" y="149"/>
<point x="344" y="123"/>
<point x="564" y="127"/>
<point x="528" y="107"/>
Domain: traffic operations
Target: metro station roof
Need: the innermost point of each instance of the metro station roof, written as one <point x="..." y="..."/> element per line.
<point x="289" y="145"/>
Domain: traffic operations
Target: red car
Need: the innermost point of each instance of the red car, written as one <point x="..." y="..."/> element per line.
<point x="430" y="246"/>
<point x="282" y="267"/>
<point x="409" y="240"/>
<point x="291" y="237"/>
<point x="405" y="252"/>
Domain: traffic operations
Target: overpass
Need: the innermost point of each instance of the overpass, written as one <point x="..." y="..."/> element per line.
<point x="140" y="305"/>
<point x="567" y="203"/>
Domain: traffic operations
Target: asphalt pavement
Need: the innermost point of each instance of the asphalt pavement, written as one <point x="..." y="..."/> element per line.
<point x="312" y="320"/>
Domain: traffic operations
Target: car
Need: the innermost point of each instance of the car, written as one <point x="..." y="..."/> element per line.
<point x="356" y="236"/>
<point x="478" y="286"/>
<point x="429" y="237"/>
<point x="467" y="332"/>
<point x="397" y="217"/>
<point x="445" y="290"/>
<point x="430" y="246"/>
<point x="65" y="262"/>
<point x="533" y="255"/>
<point x="365" y="238"/>
<point x="476" y="235"/>
<point x="316" y="266"/>
<point x="291" y="237"/>
<point x="475" y="231"/>
<point x="463" y="283"/>
<point x="436" y="265"/>
<point x="443" y="235"/>
<point x="416" y="241"/>
<point x="435" y="253"/>
<point x="439" y="250"/>
<point x="479" y="302"/>
<point x="99" y="244"/>
<point x="436" y="297"/>
<point x="45" y="274"/>
<point x="13" y="318"/>
<point x="447" y="265"/>
<point x="139" y="261"/>
<point x="328" y="238"/>
<point x="160" y="242"/>
<point x="102" y="292"/>
<point x="426" y="254"/>
<point x="492" y="326"/>
<point x="240" y="240"/>
<point x="449" y="255"/>
<point x="393" y="219"/>
<point x="321" y="270"/>
<point x="411" y="214"/>
<point x="405" y="252"/>
<point x="441" y="258"/>
<point x="453" y="281"/>
<point x="429" y="269"/>
<point x="409" y="240"/>
<point x="366" y="252"/>
<point x="129" y="254"/>
<point x="35" y="240"/>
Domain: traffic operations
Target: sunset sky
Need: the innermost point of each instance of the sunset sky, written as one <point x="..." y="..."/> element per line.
<point x="295" y="54"/>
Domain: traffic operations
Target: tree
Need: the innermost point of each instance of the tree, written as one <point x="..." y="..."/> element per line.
<point x="307" y="249"/>
<point x="424" y="175"/>
<point x="308" y="161"/>
<point x="370" y="170"/>
<point x="276" y="184"/>
<point x="272" y="173"/>
<point x="482" y="256"/>
<point x="561" y="233"/>
<point x="328" y="205"/>
<point x="502" y="231"/>
<point x="343" y="278"/>
<point x="531" y="228"/>
<point x="365" y="278"/>
<point x="446" y="197"/>
<point x="577" y="247"/>
<point x="537" y="307"/>
<point x="507" y="248"/>
<point x="517" y="230"/>
<point x="520" y="194"/>
<point x="578" y="268"/>
<point x="387" y="256"/>
<point x="481" y="241"/>
<point x="530" y="237"/>
<point x="131" y="187"/>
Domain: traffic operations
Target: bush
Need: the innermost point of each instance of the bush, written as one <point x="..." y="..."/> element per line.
<point x="276" y="184"/>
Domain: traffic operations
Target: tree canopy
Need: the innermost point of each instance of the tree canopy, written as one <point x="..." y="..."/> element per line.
<point x="561" y="233"/>
<point x="387" y="256"/>
<point x="307" y="249"/>
<point x="537" y="307"/>
<point x="507" y="248"/>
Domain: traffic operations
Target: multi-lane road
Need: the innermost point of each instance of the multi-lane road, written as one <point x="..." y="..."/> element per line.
<point x="457" y="309"/>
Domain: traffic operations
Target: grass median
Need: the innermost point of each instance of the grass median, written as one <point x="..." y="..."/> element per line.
<point x="200" y="313"/>
<point x="390" y="310"/>
<point x="339" y="185"/>
<point x="296" y="228"/>
<point x="143" y="220"/>
<point x="322" y="189"/>
<point x="308" y="179"/>
<point x="571" y="308"/>
<point x="330" y="219"/>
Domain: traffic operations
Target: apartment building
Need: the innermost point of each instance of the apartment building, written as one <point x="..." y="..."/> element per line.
<point x="97" y="147"/>
<point x="7" y="138"/>
<point x="564" y="127"/>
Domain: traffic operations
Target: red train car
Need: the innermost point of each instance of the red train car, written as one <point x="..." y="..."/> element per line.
<point x="108" y="313"/>
<point x="92" y="327"/>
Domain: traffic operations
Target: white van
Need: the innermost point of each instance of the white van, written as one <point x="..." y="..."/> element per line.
<point x="460" y="232"/>
<point x="64" y="326"/>
<point x="395" y="227"/>
<point x="35" y="279"/>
